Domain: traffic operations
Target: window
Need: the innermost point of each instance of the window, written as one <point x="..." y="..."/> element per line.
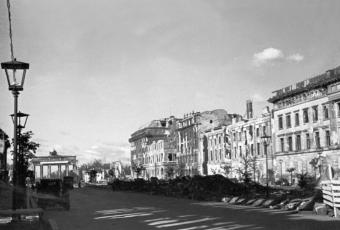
<point x="328" y="138"/>
<point x="258" y="148"/>
<point x="219" y="139"/>
<point x="251" y="131"/>
<point x="288" y="123"/>
<point x="252" y="149"/>
<point x="290" y="144"/>
<point x="264" y="130"/>
<point x="240" y="151"/>
<point x="338" y="109"/>
<point x="297" y="119"/>
<point x="317" y="139"/>
<point x="234" y="136"/>
<point x="307" y="141"/>
<point x="211" y="155"/>
<point x="298" y="143"/>
<point x="325" y="112"/>
<point x="235" y="151"/>
<point x="239" y="136"/>
<point x="280" y="123"/>
<point x="305" y="116"/>
<point x="257" y="132"/>
<point x="282" y="142"/>
<point x="315" y="113"/>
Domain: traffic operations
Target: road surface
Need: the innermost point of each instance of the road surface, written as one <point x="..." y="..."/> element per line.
<point x="101" y="209"/>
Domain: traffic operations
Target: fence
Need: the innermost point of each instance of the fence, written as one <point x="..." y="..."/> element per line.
<point x="331" y="194"/>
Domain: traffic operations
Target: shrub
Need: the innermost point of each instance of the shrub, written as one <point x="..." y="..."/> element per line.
<point x="306" y="181"/>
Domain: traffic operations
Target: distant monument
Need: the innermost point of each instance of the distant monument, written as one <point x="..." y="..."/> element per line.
<point x="54" y="166"/>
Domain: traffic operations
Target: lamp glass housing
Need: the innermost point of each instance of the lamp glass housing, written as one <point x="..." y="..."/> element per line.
<point x="15" y="74"/>
<point x="266" y="139"/>
<point x="21" y="118"/>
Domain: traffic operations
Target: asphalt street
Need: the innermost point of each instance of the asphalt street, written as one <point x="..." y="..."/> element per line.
<point x="100" y="209"/>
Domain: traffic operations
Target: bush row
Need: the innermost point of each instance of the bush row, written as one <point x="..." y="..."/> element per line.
<point x="213" y="187"/>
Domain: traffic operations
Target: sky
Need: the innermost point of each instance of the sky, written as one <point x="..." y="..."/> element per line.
<point x="101" y="69"/>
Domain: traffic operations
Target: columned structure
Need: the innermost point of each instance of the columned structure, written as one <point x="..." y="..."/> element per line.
<point x="53" y="166"/>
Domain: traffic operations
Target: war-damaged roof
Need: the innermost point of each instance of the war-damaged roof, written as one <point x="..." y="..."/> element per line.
<point x="322" y="80"/>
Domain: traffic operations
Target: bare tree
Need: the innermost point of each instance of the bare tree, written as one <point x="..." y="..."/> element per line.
<point x="245" y="169"/>
<point x="137" y="168"/>
<point x="227" y="169"/>
<point x="254" y="166"/>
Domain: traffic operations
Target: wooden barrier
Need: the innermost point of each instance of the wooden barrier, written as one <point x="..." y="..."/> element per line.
<point x="331" y="194"/>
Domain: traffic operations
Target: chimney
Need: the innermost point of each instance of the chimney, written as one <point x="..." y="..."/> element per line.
<point x="249" y="109"/>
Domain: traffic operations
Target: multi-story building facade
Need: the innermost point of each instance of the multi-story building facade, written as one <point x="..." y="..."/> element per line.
<point x="306" y="121"/>
<point x="246" y="141"/>
<point x="218" y="150"/>
<point x="153" y="146"/>
<point x="192" y="142"/>
<point x="4" y="145"/>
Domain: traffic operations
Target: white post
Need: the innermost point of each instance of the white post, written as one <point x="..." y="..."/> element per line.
<point x="329" y="171"/>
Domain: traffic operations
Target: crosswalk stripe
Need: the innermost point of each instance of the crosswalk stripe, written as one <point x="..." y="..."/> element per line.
<point x="157" y="219"/>
<point x="163" y="222"/>
<point x="194" y="227"/>
<point x="222" y="223"/>
<point x="119" y="216"/>
<point x="186" y="216"/>
<point x="185" y="222"/>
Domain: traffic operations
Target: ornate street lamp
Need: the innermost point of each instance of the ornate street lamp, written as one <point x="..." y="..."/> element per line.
<point x="266" y="140"/>
<point x="21" y="120"/>
<point x="15" y="74"/>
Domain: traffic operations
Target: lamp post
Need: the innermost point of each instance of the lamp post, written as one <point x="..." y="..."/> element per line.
<point x="15" y="74"/>
<point x="281" y="170"/>
<point x="21" y="124"/>
<point x="266" y="140"/>
<point x="320" y="159"/>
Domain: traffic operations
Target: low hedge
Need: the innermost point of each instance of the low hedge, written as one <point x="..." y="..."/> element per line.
<point x="207" y="188"/>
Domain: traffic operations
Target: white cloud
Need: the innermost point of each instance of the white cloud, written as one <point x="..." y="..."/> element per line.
<point x="267" y="55"/>
<point x="106" y="152"/>
<point x="295" y="57"/>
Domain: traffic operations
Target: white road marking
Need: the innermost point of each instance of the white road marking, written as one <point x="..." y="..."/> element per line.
<point x="120" y="216"/>
<point x="195" y="227"/>
<point x="157" y="219"/>
<point x="186" y="222"/>
<point x="231" y="227"/>
<point x="186" y="216"/>
<point x="162" y="222"/>
<point x="222" y="223"/>
<point x="112" y="211"/>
